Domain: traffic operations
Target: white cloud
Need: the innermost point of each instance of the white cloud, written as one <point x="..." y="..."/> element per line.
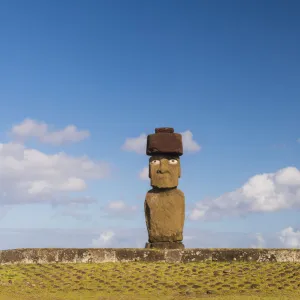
<point x="124" y="237"/>
<point x="290" y="238"/>
<point x="114" y="237"/>
<point x="33" y="129"/>
<point x="144" y="174"/>
<point x="139" y="143"/>
<point x="288" y="176"/>
<point x="29" y="175"/>
<point x="104" y="240"/>
<point x="120" y="206"/>
<point x="119" y="210"/>
<point x="260" y="242"/>
<point x="189" y="145"/>
<point x="267" y="192"/>
<point x="197" y="213"/>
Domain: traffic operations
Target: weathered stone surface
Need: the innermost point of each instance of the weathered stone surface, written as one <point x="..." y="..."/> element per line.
<point x="194" y="255"/>
<point x="164" y="129"/>
<point x="164" y="171"/>
<point x="165" y="245"/>
<point x="165" y="214"/>
<point x="164" y="143"/>
<point x="237" y="255"/>
<point x="105" y="255"/>
<point x="126" y="255"/>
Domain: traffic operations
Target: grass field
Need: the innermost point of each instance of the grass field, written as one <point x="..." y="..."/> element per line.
<point x="136" y="280"/>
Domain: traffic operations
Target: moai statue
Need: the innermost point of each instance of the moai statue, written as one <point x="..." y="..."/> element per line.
<point x="164" y="204"/>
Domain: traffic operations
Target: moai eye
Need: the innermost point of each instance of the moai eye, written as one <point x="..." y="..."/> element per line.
<point x="155" y="162"/>
<point x="173" y="161"/>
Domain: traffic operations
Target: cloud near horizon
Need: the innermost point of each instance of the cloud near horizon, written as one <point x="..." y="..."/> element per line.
<point x="260" y="242"/>
<point x="268" y="192"/>
<point x="112" y="237"/>
<point x="31" y="176"/>
<point x="138" y="144"/>
<point x="34" y="129"/>
<point x="289" y="237"/>
<point x="104" y="240"/>
<point x="119" y="209"/>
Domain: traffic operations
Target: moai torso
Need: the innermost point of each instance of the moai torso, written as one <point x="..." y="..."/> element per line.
<point x="165" y="215"/>
<point x="164" y="203"/>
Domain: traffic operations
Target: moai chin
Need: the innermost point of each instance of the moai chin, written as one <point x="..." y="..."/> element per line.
<point x="164" y="204"/>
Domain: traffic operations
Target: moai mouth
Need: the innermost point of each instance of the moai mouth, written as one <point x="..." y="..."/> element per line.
<point x="164" y="204"/>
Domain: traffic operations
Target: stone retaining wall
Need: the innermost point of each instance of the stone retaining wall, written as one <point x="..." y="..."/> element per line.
<point x="103" y="255"/>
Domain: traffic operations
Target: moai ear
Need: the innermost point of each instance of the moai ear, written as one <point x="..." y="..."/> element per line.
<point x="149" y="167"/>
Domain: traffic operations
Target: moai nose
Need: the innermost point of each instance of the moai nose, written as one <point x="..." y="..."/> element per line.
<point x="164" y="166"/>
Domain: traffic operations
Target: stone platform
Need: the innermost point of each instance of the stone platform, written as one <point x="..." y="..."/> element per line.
<point x="165" y="245"/>
<point x="104" y="255"/>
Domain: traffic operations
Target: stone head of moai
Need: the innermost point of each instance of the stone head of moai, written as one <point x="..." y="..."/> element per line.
<point x="164" y="204"/>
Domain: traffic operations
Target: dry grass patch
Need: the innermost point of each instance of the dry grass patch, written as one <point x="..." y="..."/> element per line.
<point x="159" y="280"/>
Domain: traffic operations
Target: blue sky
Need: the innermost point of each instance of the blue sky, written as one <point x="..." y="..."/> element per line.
<point x="225" y="74"/>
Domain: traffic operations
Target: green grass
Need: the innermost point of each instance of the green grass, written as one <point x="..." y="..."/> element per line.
<point x="136" y="280"/>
